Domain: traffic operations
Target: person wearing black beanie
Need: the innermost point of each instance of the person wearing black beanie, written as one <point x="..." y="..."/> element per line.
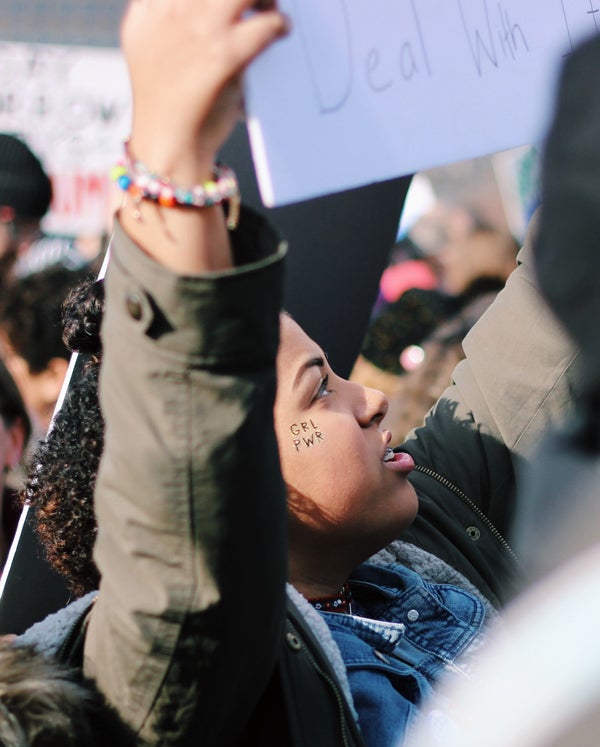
<point x="25" y="196"/>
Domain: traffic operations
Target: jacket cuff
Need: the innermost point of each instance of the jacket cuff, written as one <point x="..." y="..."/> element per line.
<point x="218" y="319"/>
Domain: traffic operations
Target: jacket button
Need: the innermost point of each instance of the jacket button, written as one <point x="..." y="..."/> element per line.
<point x="293" y="641"/>
<point x="134" y="306"/>
<point x="412" y="615"/>
<point x="473" y="533"/>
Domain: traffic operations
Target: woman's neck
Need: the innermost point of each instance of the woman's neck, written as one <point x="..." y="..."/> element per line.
<point x="320" y="566"/>
<point x="315" y="576"/>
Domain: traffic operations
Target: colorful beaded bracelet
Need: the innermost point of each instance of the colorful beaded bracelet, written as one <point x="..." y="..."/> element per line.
<point x="135" y="178"/>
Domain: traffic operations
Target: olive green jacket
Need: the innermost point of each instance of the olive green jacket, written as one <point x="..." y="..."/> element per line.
<point x="189" y="499"/>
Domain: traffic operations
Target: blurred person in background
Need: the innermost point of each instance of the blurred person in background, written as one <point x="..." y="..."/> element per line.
<point x="473" y="269"/>
<point x="411" y="349"/>
<point x="484" y="257"/>
<point x="410" y="302"/>
<point x="25" y="196"/>
<point x="31" y="338"/>
<point x="15" y="430"/>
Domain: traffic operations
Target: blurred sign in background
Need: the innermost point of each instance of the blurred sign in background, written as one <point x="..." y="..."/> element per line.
<point x="64" y="89"/>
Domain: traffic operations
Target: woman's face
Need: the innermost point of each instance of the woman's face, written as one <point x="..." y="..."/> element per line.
<point x="332" y="450"/>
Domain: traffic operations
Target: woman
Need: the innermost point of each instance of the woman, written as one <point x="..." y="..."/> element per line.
<point x="189" y="497"/>
<point x="349" y="496"/>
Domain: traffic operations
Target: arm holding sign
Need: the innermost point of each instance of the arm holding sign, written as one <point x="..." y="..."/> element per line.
<point x="189" y="499"/>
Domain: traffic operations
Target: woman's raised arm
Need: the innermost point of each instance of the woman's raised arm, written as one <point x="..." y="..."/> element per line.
<point x="191" y="548"/>
<point x="186" y="59"/>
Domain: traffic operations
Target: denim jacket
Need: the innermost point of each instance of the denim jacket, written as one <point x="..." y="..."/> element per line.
<point x="404" y="633"/>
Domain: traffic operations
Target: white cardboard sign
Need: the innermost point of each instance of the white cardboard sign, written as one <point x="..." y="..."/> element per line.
<point x="367" y="90"/>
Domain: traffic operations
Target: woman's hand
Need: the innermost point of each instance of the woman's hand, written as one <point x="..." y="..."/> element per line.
<point x="186" y="59"/>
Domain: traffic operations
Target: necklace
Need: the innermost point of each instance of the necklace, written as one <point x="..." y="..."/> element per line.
<point x="340" y="602"/>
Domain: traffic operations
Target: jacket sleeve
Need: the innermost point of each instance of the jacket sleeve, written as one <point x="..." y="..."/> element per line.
<point x="518" y="378"/>
<point x="189" y="498"/>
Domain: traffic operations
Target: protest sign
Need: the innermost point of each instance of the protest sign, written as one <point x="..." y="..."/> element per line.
<point x="72" y="106"/>
<point x="366" y="90"/>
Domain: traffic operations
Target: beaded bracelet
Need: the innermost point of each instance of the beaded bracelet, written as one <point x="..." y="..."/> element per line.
<point x="135" y="178"/>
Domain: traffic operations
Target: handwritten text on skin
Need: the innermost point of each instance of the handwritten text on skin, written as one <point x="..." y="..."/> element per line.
<point x="306" y="434"/>
<point x="494" y="34"/>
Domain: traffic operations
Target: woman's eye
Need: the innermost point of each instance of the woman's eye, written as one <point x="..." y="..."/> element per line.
<point x="323" y="390"/>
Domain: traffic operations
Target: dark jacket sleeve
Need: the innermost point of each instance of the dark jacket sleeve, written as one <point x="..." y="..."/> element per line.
<point x="189" y="499"/>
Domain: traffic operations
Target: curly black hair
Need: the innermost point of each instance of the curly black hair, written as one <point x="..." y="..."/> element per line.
<point x="62" y="471"/>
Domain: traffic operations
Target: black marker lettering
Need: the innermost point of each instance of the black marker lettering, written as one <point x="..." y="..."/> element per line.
<point x="510" y="35"/>
<point x="332" y="83"/>
<point x="408" y="63"/>
<point x="476" y="41"/>
<point x="421" y="37"/>
<point x="593" y="12"/>
<point x="373" y="62"/>
<point x="562" y="3"/>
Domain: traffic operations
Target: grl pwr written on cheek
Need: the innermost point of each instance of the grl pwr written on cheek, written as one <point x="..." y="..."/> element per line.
<point x="306" y="434"/>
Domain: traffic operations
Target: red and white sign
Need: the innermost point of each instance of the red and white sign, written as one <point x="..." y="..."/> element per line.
<point x="72" y="106"/>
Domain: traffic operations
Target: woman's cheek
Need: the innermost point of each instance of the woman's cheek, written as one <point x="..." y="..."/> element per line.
<point x="305" y="435"/>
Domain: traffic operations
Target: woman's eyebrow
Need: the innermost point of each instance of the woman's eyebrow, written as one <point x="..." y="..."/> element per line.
<point x="312" y="363"/>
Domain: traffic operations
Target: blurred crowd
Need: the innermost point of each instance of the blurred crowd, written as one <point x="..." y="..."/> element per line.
<point x="443" y="274"/>
<point x="37" y="271"/>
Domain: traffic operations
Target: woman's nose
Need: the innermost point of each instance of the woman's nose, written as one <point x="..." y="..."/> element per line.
<point x="374" y="407"/>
